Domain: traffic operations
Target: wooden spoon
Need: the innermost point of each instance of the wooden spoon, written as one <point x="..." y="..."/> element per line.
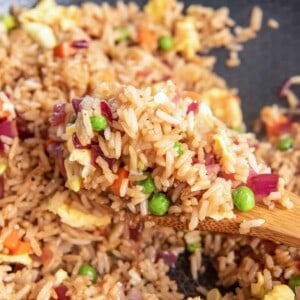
<point x="281" y="225"/>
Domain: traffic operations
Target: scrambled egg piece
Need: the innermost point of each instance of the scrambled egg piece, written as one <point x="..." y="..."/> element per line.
<point x="60" y="276"/>
<point x="23" y="259"/>
<point x="214" y="294"/>
<point x="258" y="289"/>
<point x="157" y="8"/>
<point x="280" y="292"/>
<point x="76" y="218"/>
<point x="48" y="12"/>
<point x="186" y="37"/>
<point x="41" y="34"/>
<point x="225" y="106"/>
<point x="222" y="144"/>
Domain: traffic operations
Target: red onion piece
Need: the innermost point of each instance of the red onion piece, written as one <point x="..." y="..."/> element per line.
<point x="168" y="257"/>
<point x="106" y="111"/>
<point x="136" y="232"/>
<point x="134" y="294"/>
<point x="80" y="44"/>
<point x="22" y="127"/>
<point x="195" y="160"/>
<point x="1" y="187"/>
<point x="77" y="143"/>
<point x="209" y="158"/>
<point x="61" y="292"/>
<point x="213" y="169"/>
<point x="76" y="105"/>
<point x="263" y="184"/>
<point x="59" y="114"/>
<point x="96" y="151"/>
<point x="56" y="151"/>
<point x="193" y="107"/>
<point x="8" y="128"/>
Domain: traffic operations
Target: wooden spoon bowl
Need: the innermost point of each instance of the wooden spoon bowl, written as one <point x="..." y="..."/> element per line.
<point x="281" y="225"/>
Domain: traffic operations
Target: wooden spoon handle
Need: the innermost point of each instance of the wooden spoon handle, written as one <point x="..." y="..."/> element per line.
<point x="281" y="225"/>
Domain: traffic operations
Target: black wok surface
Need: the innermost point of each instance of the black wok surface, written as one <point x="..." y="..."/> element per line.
<point x="266" y="62"/>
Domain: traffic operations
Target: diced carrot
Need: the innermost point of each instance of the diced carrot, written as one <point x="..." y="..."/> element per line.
<point x="64" y="50"/>
<point x="147" y="38"/>
<point x="49" y="142"/>
<point x="192" y="95"/>
<point x="12" y="241"/>
<point x="122" y="174"/>
<point x="281" y="126"/>
<point x="23" y="247"/>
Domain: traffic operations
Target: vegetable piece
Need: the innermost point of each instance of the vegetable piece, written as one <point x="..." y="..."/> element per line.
<point x="177" y="147"/>
<point x="263" y="184"/>
<point x="193" y="107"/>
<point x="192" y="247"/>
<point x="122" y="174"/>
<point x="61" y="292"/>
<point x="64" y="50"/>
<point x="123" y="34"/>
<point x="147" y="38"/>
<point x="88" y="270"/>
<point x="169" y="257"/>
<point x="159" y="204"/>
<point x="99" y="123"/>
<point x="9" y="21"/>
<point x="285" y="144"/>
<point x="214" y="294"/>
<point x="80" y="44"/>
<point x="136" y="232"/>
<point x="147" y="184"/>
<point x="76" y="105"/>
<point x="1" y="187"/>
<point x="243" y="198"/>
<point x="282" y="125"/>
<point x="106" y="111"/>
<point x="294" y="282"/>
<point x="165" y="43"/>
<point x="8" y="128"/>
<point x="59" y="114"/>
<point x="23" y="248"/>
<point x="96" y="152"/>
<point x="12" y="241"/>
<point x="41" y="34"/>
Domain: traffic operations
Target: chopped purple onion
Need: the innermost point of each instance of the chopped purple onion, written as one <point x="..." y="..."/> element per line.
<point x="193" y="107"/>
<point x="55" y="150"/>
<point x="61" y="292"/>
<point x="77" y="143"/>
<point x="168" y="257"/>
<point x="209" y="158"/>
<point x="1" y="187"/>
<point x="8" y="128"/>
<point x="59" y="114"/>
<point x="136" y="232"/>
<point x="213" y="169"/>
<point x="106" y="111"/>
<point x="80" y="44"/>
<point x="76" y="105"/>
<point x="263" y="184"/>
<point x="96" y="151"/>
<point x="22" y="127"/>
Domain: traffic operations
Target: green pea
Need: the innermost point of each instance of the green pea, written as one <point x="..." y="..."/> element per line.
<point x="98" y="123"/>
<point x="177" y="147"/>
<point x="159" y="204"/>
<point x="8" y="21"/>
<point x="123" y="34"/>
<point x="192" y="247"/>
<point x="285" y="144"/>
<point x="87" y="270"/>
<point x="165" y="43"/>
<point x="243" y="198"/>
<point x="294" y="282"/>
<point x="147" y="184"/>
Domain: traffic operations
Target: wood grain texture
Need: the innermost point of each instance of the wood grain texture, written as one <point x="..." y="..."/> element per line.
<point x="281" y="225"/>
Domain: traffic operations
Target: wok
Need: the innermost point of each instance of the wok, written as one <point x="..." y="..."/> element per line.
<point x="266" y="62"/>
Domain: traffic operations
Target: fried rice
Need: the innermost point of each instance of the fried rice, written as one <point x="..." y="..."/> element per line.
<point x="48" y="232"/>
